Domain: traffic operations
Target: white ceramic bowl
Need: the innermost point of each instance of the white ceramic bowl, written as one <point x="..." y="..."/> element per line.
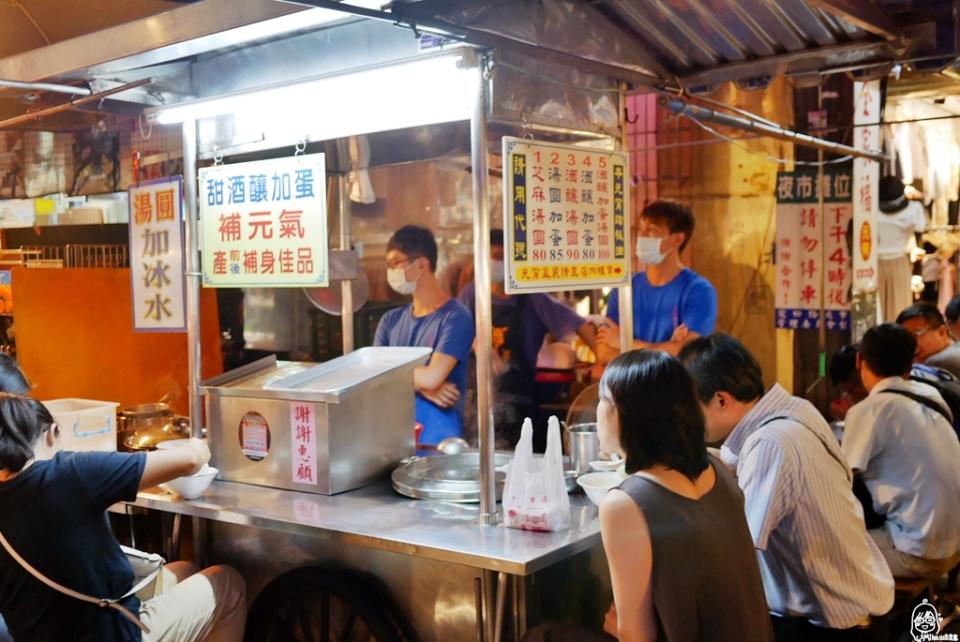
<point x="172" y="443"/>
<point x="192" y="486"/>
<point x="605" y="465"/>
<point x="596" y="485"/>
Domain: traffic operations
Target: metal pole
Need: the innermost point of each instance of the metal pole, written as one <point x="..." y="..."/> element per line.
<point x="193" y="274"/>
<point x="346" y="286"/>
<point x="708" y="115"/>
<point x="57" y="109"/>
<point x="625" y="296"/>
<point x="483" y="303"/>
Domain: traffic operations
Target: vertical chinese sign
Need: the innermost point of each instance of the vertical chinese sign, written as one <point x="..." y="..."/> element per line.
<point x="157" y="264"/>
<point x="804" y="283"/>
<point x="565" y="217"/>
<point x="303" y="441"/>
<point x="265" y="223"/>
<point x="866" y="178"/>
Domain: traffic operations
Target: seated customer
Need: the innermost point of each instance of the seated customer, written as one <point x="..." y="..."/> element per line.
<point x="681" y="560"/>
<point x="935" y="348"/>
<point x="952" y="314"/>
<point x="908" y="455"/>
<point x="798" y="497"/>
<point x="52" y="512"/>
<point x="845" y="376"/>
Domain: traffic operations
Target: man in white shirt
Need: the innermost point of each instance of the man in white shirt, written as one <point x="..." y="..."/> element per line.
<point x="824" y="577"/>
<point x="935" y="347"/>
<point x="901" y="442"/>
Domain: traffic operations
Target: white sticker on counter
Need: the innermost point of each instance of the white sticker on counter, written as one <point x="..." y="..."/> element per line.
<point x="303" y="441"/>
<point x="254" y="436"/>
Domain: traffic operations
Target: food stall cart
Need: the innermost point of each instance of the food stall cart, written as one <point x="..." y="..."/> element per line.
<point x="291" y="83"/>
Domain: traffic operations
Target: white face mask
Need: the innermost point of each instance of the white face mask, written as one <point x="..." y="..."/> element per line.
<point x="397" y="279"/>
<point x="648" y="250"/>
<point x="496" y="271"/>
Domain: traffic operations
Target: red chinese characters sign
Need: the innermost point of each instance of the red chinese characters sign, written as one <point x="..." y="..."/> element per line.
<point x="565" y="217"/>
<point x="265" y="223"/>
<point x="157" y="263"/>
<point x="303" y="443"/>
<point x="813" y="258"/>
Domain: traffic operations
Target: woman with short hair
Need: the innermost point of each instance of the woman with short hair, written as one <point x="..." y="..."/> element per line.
<point x="681" y="559"/>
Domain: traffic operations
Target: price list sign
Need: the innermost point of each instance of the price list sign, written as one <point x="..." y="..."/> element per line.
<point x="813" y="259"/>
<point x="565" y="217"/>
<point x="265" y="223"/>
<point x="157" y="262"/>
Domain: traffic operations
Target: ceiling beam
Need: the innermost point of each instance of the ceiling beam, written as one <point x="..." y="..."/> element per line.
<point x="807" y="60"/>
<point x="862" y="13"/>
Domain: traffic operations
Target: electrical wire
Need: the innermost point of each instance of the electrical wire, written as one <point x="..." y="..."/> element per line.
<point x="539" y="76"/>
<point x="774" y="159"/>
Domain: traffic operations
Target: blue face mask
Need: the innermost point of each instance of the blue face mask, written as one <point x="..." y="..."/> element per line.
<point x="648" y="250"/>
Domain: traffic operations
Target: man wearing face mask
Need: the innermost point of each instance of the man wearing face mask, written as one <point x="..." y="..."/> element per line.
<point x="520" y="323"/>
<point x="672" y="304"/>
<point x="432" y="320"/>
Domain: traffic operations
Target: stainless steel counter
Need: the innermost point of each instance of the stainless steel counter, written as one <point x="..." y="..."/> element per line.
<point x="376" y="517"/>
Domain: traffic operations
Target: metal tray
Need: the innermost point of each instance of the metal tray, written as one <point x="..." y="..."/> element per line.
<point x="454" y="478"/>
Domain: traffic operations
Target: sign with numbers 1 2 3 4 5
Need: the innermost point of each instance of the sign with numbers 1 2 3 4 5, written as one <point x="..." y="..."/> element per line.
<point x="265" y="223"/>
<point x="565" y="217"/>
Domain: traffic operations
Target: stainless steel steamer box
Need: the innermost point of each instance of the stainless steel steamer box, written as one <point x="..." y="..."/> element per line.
<point x="321" y="428"/>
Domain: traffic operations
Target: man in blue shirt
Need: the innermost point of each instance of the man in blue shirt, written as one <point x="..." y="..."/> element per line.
<point x="672" y="304"/>
<point x="432" y="320"/>
<point x="520" y="323"/>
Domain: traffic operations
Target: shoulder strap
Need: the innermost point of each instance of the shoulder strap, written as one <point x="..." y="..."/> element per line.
<point x="833" y="455"/>
<point x="101" y="602"/>
<point x="929" y="403"/>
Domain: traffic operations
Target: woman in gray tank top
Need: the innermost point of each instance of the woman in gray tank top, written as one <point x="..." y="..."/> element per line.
<point x="681" y="559"/>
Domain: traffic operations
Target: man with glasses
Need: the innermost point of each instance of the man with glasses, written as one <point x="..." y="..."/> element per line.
<point x="935" y="348"/>
<point x="432" y="320"/>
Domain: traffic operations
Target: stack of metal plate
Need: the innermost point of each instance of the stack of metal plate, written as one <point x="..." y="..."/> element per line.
<point x="454" y="478"/>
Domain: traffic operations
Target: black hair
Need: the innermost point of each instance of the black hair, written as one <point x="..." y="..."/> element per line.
<point x="923" y="310"/>
<point x="720" y="363"/>
<point x="12" y="379"/>
<point x="843" y="365"/>
<point x="677" y="218"/>
<point x="22" y="421"/>
<point x="661" y="421"/>
<point x="888" y="350"/>
<point x="952" y="311"/>
<point x="496" y="237"/>
<point x="416" y="242"/>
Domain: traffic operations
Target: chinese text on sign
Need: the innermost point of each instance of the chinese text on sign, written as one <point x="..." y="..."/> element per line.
<point x="265" y="223"/>
<point x="156" y="256"/>
<point x="800" y="257"/>
<point x="566" y="214"/>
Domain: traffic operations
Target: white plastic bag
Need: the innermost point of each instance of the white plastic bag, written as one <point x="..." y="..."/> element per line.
<point x="534" y="494"/>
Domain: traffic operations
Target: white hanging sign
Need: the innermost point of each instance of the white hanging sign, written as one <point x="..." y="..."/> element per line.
<point x="157" y="262"/>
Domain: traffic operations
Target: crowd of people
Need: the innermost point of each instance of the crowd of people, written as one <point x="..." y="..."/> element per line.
<point x="800" y="528"/>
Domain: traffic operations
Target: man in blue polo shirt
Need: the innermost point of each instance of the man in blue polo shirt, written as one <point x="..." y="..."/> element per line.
<point x="672" y="304"/>
<point x="432" y="320"/>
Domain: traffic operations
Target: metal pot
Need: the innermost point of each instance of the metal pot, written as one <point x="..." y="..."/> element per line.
<point x="583" y="445"/>
<point x="145" y="416"/>
<point x="148" y="438"/>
